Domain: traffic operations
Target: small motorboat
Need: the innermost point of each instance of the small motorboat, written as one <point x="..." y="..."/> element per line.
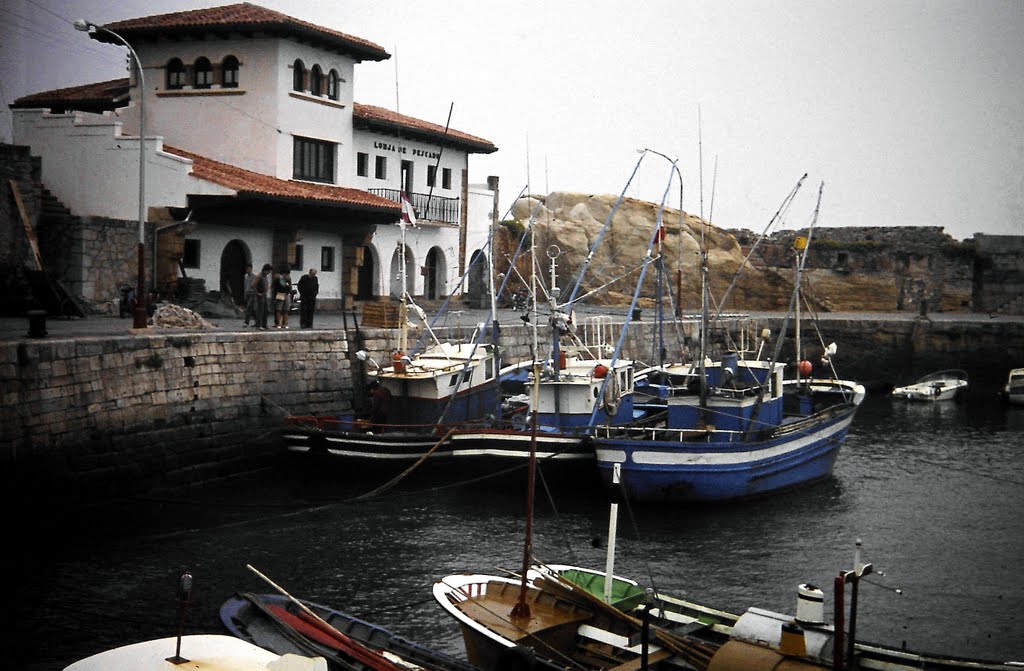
<point x="1013" y="392"/>
<point x="944" y="385"/>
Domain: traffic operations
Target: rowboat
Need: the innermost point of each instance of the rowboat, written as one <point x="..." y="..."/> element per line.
<point x="274" y="622"/>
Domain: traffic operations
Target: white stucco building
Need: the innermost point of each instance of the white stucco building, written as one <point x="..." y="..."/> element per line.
<point x="251" y="129"/>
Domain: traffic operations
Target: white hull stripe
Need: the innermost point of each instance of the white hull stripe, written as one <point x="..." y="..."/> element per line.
<point x="672" y="454"/>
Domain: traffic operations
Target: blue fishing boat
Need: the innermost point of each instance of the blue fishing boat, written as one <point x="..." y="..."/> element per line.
<point x="735" y="427"/>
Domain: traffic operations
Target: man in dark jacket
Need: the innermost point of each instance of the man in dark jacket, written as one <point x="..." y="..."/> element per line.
<point x="309" y="287"/>
<point x="262" y="285"/>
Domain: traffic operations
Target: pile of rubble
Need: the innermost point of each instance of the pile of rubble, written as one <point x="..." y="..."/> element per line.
<point x="174" y="316"/>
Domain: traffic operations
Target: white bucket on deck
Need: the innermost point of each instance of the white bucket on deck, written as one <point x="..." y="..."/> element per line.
<point x="810" y="605"/>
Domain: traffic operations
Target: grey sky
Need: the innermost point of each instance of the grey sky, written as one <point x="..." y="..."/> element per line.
<point x="911" y="112"/>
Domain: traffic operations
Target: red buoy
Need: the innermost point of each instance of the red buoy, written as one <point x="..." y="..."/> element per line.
<point x="805" y="368"/>
<point x="600" y="370"/>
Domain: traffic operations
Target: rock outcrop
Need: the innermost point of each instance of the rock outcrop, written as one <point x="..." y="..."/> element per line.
<point x="568" y="225"/>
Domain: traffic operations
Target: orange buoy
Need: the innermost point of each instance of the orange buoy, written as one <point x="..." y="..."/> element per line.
<point x="805" y="368"/>
<point x="600" y="370"/>
<point x="396" y="361"/>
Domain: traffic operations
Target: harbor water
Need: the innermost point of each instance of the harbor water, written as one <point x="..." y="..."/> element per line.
<point x="935" y="492"/>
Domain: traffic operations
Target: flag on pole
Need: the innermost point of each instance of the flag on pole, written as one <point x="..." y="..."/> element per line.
<point x="408" y="214"/>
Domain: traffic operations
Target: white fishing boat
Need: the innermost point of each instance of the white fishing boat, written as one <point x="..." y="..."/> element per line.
<point x="1013" y="392"/>
<point x="944" y="385"/>
<point x="199" y="652"/>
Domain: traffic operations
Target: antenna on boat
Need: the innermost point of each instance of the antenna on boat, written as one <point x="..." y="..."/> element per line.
<point x="184" y="599"/>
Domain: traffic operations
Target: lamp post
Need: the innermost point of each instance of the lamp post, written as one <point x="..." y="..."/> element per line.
<point x="140" y="318"/>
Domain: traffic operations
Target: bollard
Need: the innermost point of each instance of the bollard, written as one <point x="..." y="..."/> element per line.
<point x="37" y="323"/>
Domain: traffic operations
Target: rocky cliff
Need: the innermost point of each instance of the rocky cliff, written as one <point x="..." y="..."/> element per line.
<point x="568" y="224"/>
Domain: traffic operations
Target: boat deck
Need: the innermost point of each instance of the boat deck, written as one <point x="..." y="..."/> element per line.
<point x="549" y="615"/>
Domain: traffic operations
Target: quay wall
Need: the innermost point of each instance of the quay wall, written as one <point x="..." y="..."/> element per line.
<point x="111" y="417"/>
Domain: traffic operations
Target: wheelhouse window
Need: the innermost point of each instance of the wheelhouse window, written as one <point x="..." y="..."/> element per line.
<point x="333" y="85"/>
<point x="431" y="175"/>
<point x="175" y="74"/>
<point x="203" y="73"/>
<point x="446" y="178"/>
<point x="229" y="73"/>
<point x="298" y="76"/>
<point x="381" y="168"/>
<point x="190" y="256"/>
<point x="313" y="160"/>
<point x="316" y="80"/>
<point x="362" y="164"/>
<point x="327" y="259"/>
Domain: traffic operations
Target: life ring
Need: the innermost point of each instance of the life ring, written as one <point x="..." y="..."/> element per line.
<point x="610" y="400"/>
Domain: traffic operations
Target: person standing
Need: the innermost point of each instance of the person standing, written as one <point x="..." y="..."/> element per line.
<point x="309" y="287"/>
<point x="282" y="298"/>
<point x="262" y="287"/>
<point x="249" y="284"/>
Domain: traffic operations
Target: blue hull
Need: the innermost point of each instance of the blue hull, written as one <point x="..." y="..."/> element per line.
<point x="717" y="470"/>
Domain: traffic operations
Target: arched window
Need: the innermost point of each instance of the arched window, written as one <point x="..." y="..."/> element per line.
<point x="175" y="74"/>
<point x="298" y="76"/>
<point x="229" y="72"/>
<point x="333" y="87"/>
<point x="316" y="78"/>
<point x="203" y="73"/>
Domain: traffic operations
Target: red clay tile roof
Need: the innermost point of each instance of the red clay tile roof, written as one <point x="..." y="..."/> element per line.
<point x="97" y="97"/>
<point x="244" y="17"/>
<point x="249" y="183"/>
<point x="371" y="116"/>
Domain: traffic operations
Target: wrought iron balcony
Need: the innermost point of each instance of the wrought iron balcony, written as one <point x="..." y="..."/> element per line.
<point x="445" y="210"/>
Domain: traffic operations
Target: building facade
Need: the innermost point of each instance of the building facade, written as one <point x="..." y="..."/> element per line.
<point x="257" y="153"/>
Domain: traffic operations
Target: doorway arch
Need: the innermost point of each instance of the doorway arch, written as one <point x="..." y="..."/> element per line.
<point x="232" y="270"/>
<point x="477" y="283"/>
<point x="436" y="274"/>
<point x="367" y="274"/>
<point x="395" y="288"/>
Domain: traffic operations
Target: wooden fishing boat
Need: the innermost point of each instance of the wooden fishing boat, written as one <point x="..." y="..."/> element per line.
<point x="209" y="652"/>
<point x="504" y="621"/>
<point x="273" y="622"/>
<point x="944" y="385"/>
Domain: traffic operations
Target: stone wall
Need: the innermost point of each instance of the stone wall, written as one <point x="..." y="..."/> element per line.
<point x="118" y="416"/>
<point x="92" y="257"/>
<point x="882" y="269"/>
<point x="999" y="274"/>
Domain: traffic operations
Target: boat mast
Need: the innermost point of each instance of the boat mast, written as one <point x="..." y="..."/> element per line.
<point x="799" y="277"/>
<point x="702" y="372"/>
<point x="522" y="610"/>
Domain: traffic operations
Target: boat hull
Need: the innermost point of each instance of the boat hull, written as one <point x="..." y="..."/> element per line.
<point x="717" y="468"/>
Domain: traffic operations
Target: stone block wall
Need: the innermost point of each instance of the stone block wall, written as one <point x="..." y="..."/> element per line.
<point x="118" y="416"/>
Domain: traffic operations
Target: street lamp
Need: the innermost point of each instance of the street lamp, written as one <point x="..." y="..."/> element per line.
<point x="140" y="318"/>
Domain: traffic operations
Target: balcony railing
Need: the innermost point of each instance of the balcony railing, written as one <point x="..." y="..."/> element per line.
<point x="441" y="209"/>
